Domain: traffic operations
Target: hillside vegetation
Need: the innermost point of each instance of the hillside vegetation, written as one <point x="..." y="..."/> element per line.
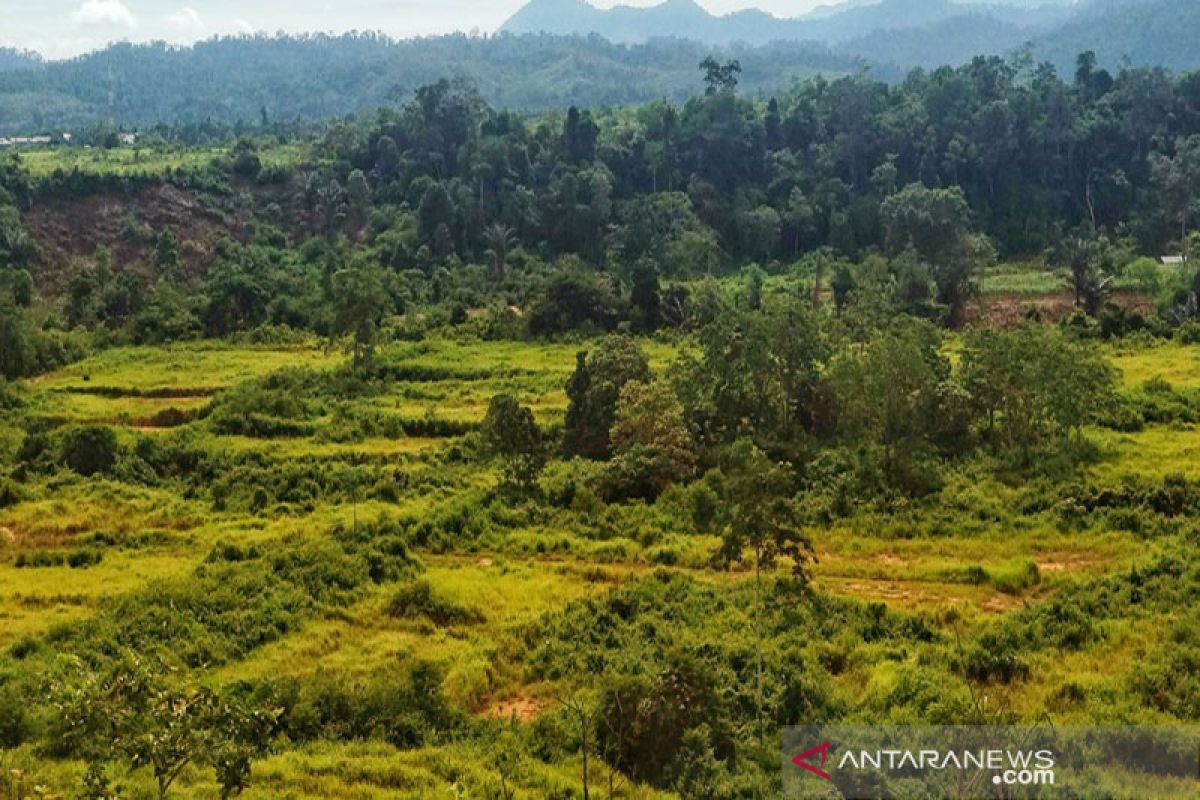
<point x="446" y="451"/>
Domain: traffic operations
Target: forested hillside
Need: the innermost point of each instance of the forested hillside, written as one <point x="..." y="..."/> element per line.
<point x="316" y="78"/>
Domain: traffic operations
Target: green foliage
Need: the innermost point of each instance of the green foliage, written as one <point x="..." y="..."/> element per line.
<point x="90" y="450"/>
<point x="1030" y="382"/>
<point x="652" y="447"/>
<point x="405" y="707"/>
<point x="510" y="432"/>
<point x="133" y="713"/>
<point x="419" y="599"/>
<point x="594" y="391"/>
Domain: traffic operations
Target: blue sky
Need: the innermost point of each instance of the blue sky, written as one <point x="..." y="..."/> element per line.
<point x="60" y="28"/>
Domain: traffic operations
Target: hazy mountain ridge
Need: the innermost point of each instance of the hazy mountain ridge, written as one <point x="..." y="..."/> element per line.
<point x="1138" y="32"/>
<point x="830" y="25"/>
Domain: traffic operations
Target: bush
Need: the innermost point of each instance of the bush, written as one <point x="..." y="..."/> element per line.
<point x="1188" y="332"/>
<point x="420" y="599"/>
<point x="408" y="708"/>
<point x="90" y="450"/>
<point x="14" y="722"/>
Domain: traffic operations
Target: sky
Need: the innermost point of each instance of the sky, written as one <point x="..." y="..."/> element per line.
<point x="64" y="28"/>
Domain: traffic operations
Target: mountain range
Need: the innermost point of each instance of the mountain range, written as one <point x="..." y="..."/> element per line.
<point x="829" y="25"/>
<point x="906" y="33"/>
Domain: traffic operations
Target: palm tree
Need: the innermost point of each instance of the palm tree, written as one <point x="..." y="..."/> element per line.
<point x="500" y="239"/>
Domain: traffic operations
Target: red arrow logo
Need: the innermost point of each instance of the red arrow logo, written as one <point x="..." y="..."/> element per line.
<point x="801" y="760"/>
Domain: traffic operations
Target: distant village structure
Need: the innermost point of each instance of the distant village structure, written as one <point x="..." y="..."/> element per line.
<point x="24" y="141"/>
<point x="12" y="142"/>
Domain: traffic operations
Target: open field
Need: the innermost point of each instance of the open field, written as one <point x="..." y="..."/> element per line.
<point x="137" y="160"/>
<point x="501" y="578"/>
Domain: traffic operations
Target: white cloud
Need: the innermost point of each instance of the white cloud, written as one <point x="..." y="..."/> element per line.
<point x="244" y="26"/>
<point x="186" y="18"/>
<point x="103" y="12"/>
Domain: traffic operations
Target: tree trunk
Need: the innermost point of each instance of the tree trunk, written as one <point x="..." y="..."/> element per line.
<point x="758" y="658"/>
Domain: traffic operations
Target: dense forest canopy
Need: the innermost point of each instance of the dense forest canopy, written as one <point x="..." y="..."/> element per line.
<point x="1034" y="156"/>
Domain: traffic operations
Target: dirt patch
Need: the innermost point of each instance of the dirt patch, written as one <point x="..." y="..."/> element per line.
<point x="1012" y="309"/>
<point x="1001" y="603"/>
<point x="525" y="709"/>
<point x="484" y="562"/>
<point x="68" y="228"/>
<point x="1067" y="562"/>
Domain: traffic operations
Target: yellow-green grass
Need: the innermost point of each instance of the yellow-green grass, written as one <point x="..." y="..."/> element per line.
<point x="370" y="771"/>
<point x="126" y="161"/>
<point x="309" y="447"/>
<point x="1177" y="364"/>
<point x="1154" y="453"/>
<point x="1022" y="279"/>
<point x="191" y="369"/>
<point x="504" y="594"/>
<point x="474" y="357"/>
<point x="989" y="573"/>
<point x="33" y="600"/>
<point x="80" y="407"/>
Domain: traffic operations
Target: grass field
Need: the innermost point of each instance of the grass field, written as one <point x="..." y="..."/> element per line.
<point x="137" y="160"/>
<point x="980" y="564"/>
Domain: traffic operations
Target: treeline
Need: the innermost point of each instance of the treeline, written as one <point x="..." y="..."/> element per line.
<point x="1035" y="157"/>
<point x="445" y="211"/>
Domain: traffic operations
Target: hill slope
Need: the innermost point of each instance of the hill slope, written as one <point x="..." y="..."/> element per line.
<point x="1142" y="32"/>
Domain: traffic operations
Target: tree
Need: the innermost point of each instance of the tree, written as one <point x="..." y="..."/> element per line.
<point x="360" y="303"/>
<point x="500" y="240"/>
<point x="17" y="356"/>
<point x="358" y="193"/>
<point x="1083" y="256"/>
<point x="762" y="520"/>
<point x="510" y="433"/>
<point x="166" y="252"/>
<point x="1178" y="179"/>
<point x="652" y="447"/>
<point x="1033" y="383"/>
<point x="644" y="296"/>
<point x="133" y="712"/>
<point x="331" y="206"/>
<point x="720" y="77"/>
<point x="759" y="230"/>
<point x="17" y="247"/>
<point x="594" y="391"/>
<point x="893" y="393"/>
<point x="90" y="450"/>
<point x="936" y="225"/>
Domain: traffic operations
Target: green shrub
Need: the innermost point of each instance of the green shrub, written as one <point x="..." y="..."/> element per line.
<point x="1188" y="332"/>
<point x="420" y="599"/>
<point x="1017" y="578"/>
<point x="14" y="719"/>
<point x="90" y="450"/>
